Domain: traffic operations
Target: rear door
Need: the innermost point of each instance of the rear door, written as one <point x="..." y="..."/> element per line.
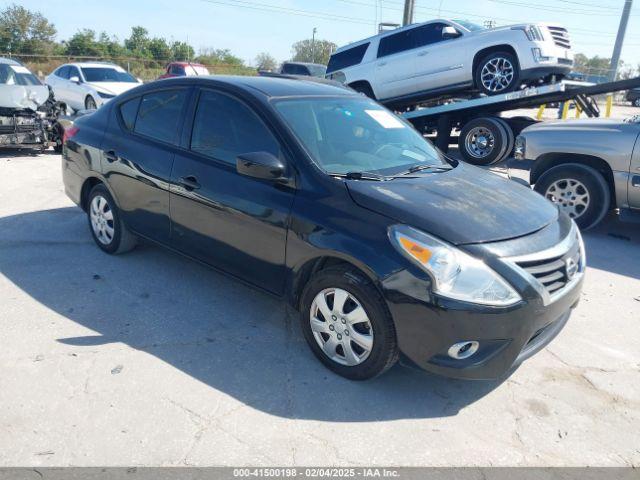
<point x="634" y="176"/>
<point x="138" y="151"/>
<point x="236" y="223"/>
<point x="395" y="65"/>
<point x="438" y="61"/>
<point x="75" y="92"/>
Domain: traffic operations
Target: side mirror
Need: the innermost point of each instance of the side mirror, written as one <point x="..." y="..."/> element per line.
<point x="75" y="79"/>
<point x="449" y="32"/>
<point x="261" y="165"/>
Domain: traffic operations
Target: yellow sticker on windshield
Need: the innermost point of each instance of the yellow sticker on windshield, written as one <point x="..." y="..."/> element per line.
<point x="384" y="118"/>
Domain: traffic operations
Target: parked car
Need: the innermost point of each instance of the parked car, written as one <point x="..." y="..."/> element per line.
<point x="633" y="96"/>
<point x="28" y="111"/>
<point x="321" y="196"/>
<point x="184" y="69"/>
<point x="424" y="60"/>
<point x="87" y="86"/>
<point x="302" y="68"/>
<point x="587" y="167"/>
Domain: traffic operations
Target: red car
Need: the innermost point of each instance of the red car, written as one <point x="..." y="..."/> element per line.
<point x="184" y="69"/>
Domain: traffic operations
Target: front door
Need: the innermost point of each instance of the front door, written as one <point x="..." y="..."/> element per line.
<point x="395" y="65"/>
<point x="236" y="223"/>
<point x="634" y="177"/>
<point x="439" y="61"/>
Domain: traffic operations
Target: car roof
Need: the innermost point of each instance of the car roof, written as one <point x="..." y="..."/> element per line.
<point x="270" y="85"/>
<point x="195" y="64"/>
<point x="92" y="65"/>
<point x="9" y="61"/>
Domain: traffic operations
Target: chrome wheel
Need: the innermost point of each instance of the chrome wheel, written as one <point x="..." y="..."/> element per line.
<point x="341" y="327"/>
<point x="570" y="195"/>
<point x="480" y="142"/>
<point x="497" y="74"/>
<point x="102" y="220"/>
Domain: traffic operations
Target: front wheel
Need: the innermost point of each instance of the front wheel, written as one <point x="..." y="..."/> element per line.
<point x="636" y="102"/>
<point x="90" y="103"/>
<point x="498" y="72"/>
<point x="347" y="324"/>
<point x="579" y="190"/>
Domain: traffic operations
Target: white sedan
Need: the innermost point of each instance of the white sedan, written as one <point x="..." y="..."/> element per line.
<point x="89" y="85"/>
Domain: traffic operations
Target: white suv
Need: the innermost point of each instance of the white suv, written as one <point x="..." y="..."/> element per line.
<point x="444" y="56"/>
<point x="89" y="85"/>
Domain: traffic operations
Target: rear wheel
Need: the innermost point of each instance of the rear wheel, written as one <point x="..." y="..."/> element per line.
<point x="511" y="138"/>
<point x="363" y="88"/>
<point x="347" y="324"/>
<point x="498" y="72"/>
<point x="107" y="228"/>
<point x="579" y="190"/>
<point x="483" y="141"/>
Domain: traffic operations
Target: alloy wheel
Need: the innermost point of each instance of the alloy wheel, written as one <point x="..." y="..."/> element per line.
<point x="570" y="195"/>
<point x="102" y="219"/>
<point x="341" y="327"/>
<point x="497" y="74"/>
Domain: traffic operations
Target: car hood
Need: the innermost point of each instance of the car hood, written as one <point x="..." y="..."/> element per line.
<point x="21" y="97"/>
<point x="462" y="206"/>
<point x="113" y="88"/>
<point x="586" y="124"/>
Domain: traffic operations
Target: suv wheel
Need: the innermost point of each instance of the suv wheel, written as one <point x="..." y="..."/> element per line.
<point x="483" y="141"/>
<point x="578" y="190"/>
<point x="498" y="72"/>
<point x="107" y="228"/>
<point x="347" y="324"/>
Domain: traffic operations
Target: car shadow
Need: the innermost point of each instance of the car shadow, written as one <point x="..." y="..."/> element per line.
<point x="231" y="337"/>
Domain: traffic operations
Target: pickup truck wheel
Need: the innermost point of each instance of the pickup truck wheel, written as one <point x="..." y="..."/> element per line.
<point x="579" y="190"/>
<point x="498" y="72"/>
<point x="483" y="141"/>
<point x="347" y="324"/>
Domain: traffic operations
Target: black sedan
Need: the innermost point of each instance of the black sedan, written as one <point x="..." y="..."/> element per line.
<point x="323" y="197"/>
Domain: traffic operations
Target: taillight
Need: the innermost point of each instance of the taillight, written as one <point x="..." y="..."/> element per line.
<point x="69" y="133"/>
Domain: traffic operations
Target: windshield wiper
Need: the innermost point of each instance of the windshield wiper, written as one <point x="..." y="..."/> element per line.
<point x="361" y="176"/>
<point x="418" y="168"/>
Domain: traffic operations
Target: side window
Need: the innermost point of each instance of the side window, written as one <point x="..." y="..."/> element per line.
<point x="347" y="58"/>
<point x="63" y="72"/>
<point x="159" y="114"/>
<point x="428" y="34"/>
<point x="128" y="112"/>
<point x="396" y="43"/>
<point x="224" y="128"/>
<point x="287" y="68"/>
<point x="177" y="70"/>
<point x="73" y="72"/>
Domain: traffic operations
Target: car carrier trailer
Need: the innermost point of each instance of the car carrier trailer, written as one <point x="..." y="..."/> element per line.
<point x="487" y="138"/>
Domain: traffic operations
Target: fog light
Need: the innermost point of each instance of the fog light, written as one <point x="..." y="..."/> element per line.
<point x="462" y="350"/>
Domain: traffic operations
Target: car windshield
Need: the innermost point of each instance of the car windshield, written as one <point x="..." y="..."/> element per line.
<point x="317" y="70"/>
<point x="472" y="27"/>
<point x="356" y="135"/>
<point x="197" y="70"/>
<point x="17" y="75"/>
<point x="107" y="74"/>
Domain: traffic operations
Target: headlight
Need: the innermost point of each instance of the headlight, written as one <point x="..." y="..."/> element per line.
<point x="520" y="148"/>
<point x="533" y="33"/>
<point x="455" y="274"/>
<point x="106" y="95"/>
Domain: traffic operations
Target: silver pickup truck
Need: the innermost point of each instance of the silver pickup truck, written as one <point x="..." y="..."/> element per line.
<point x="588" y="167"/>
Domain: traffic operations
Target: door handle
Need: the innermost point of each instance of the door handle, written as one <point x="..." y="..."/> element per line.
<point x="422" y="54"/>
<point x="110" y="156"/>
<point x="189" y="183"/>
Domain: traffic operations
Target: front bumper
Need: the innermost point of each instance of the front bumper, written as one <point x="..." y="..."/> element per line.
<point x="427" y="326"/>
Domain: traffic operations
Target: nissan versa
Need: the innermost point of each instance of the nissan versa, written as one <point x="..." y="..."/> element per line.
<point x="314" y="193"/>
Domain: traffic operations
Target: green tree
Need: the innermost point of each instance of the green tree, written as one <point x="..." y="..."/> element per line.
<point x="212" y="56"/>
<point x="308" y="50"/>
<point x="265" y="61"/>
<point x="159" y="49"/>
<point x="111" y="46"/>
<point x="84" y="43"/>
<point x="24" y="31"/>
<point x="182" y="51"/>
<point x="138" y="42"/>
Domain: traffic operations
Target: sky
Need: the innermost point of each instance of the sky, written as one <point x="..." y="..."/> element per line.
<point x="248" y="27"/>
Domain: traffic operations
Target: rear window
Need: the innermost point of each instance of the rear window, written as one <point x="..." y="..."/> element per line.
<point x="347" y="58"/>
<point x="128" y="112"/>
<point x="159" y="114"/>
<point x="396" y="43"/>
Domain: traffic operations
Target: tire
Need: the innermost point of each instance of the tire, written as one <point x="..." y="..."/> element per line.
<point x="363" y="88"/>
<point x="106" y="227"/>
<point x="483" y="141"/>
<point x="509" y="73"/>
<point x="636" y="102"/>
<point x="379" y="331"/>
<point x="511" y="139"/>
<point x="90" y="103"/>
<point x="580" y="179"/>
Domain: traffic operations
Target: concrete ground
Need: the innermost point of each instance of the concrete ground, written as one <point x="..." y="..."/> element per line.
<point x="152" y="359"/>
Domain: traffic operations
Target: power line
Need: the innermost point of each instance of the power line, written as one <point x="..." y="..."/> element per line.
<point x="548" y="8"/>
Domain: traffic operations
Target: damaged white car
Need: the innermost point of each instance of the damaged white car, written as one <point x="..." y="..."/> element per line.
<point x="28" y="111"/>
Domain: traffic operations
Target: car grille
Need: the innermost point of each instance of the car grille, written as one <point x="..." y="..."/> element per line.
<point x="560" y="36"/>
<point x="554" y="273"/>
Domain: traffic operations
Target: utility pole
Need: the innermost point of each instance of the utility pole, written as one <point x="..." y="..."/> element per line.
<point x="407" y="16"/>
<point x="313" y="45"/>
<point x="617" y="49"/>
